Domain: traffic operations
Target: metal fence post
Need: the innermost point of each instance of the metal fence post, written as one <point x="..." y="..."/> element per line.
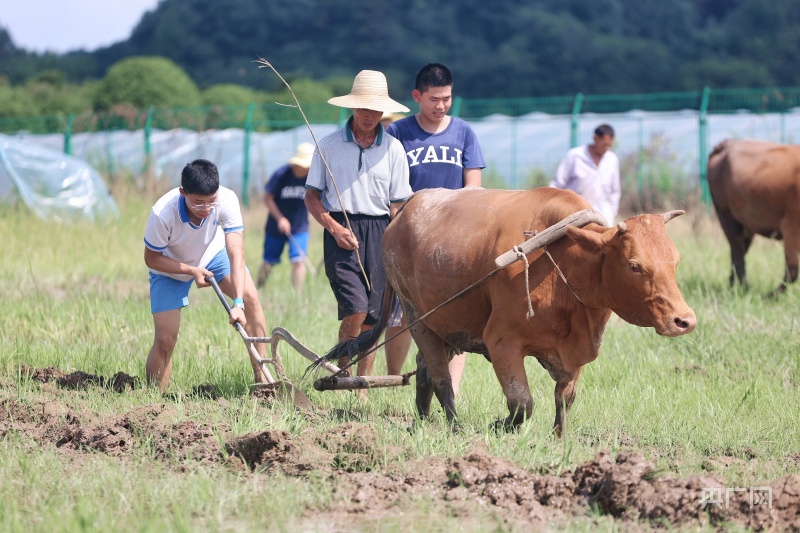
<point x="248" y="128"/>
<point x="514" y="169"/>
<point x="574" y="122"/>
<point x="68" y="135"/>
<point x="148" y="149"/>
<point x="640" y="158"/>
<point x="783" y="127"/>
<point x="344" y="114"/>
<point x="703" y="138"/>
<point x="455" y="110"/>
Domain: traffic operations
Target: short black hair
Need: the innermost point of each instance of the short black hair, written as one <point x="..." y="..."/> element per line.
<point x="200" y="177"/>
<point x="433" y="75"/>
<point x="604" y="129"/>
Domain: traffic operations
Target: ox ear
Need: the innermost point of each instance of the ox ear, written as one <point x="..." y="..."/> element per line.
<point x="588" y="240"/>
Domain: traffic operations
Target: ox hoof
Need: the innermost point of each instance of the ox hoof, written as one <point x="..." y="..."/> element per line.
<point x="505" y="425"/>
<point x="417" y="424"/>
<point x="777" y="293"/>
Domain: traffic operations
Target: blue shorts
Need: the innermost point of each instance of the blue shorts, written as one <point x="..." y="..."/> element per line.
<point x="273" y="247"/>
<point x="168" y="293"/>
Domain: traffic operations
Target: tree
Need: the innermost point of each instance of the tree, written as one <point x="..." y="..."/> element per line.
<point x="497" y="49"/>
<point x="15" y="102"/>
<point x="146" y="81"/>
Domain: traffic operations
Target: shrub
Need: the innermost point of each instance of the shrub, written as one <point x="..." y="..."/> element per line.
<point x="15" y="102"/>
<point x="146" y="81"/>
<point x="654" y="180"/>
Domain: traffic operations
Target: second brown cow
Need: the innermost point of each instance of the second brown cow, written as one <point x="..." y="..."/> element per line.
<point x="755" y="186"/>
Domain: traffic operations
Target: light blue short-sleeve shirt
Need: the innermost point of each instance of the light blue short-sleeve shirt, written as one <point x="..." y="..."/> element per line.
<point x="369" y="179"/>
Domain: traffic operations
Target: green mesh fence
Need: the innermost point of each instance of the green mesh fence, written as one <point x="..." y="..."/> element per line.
<point x="656" y="102"/>
<point x="778" y="100"/>
<point x="475" y="109"/>
<point x="654" y="139"/>
<point x="273" y="116"/>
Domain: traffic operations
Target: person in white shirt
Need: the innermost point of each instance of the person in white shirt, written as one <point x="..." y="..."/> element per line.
<point x="592" y="171"/>
<point x="195" y="231"/>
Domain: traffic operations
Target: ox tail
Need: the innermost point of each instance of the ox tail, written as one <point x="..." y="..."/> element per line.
<point x="352" y="348"/>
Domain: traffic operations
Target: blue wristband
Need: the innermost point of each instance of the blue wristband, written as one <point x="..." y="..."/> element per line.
<point x="238" y="302"/>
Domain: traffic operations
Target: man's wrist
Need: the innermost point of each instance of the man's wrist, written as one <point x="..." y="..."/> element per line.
<point x="238" y="302"/>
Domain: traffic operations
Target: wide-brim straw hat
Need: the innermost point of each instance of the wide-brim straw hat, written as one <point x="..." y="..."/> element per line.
<point x="369" y="91"/>
<point x="303" y="155"/>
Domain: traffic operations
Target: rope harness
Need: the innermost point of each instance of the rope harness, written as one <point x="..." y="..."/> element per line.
<point x="521" y="255"/>
<point x="561" y="275"/>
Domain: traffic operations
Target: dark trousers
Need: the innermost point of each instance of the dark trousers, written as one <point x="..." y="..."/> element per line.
<point x="344" y="274"/>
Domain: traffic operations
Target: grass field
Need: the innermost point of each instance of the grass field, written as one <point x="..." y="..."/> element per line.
<point x="722" y="401"/>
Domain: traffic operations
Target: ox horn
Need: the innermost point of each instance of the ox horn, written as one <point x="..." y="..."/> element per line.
<point x="669" y="215"/>
<point x="622" y="227"/>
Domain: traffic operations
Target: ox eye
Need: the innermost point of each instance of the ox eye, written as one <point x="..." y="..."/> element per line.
<point x="634" y="267"/>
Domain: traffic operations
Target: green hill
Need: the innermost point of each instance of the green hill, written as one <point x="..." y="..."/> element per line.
<point x="496" y="49"/>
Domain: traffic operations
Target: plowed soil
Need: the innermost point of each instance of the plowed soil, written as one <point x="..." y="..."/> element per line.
<point x="625" y="486"/>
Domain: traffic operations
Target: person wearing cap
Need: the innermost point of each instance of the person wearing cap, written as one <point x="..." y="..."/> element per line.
<point x="371" y="183"/>
<point x="288" y="217"/>
<point x="442" y="151"/>
<point x="592" y="170"/>
<point x="388" y="118"/>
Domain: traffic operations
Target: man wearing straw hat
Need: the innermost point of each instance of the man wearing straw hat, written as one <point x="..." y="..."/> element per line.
<point x="357" y="181"/>
<point x="288" y="217"/>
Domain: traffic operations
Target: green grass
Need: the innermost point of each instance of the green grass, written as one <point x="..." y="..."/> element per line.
<point x="723" y="399"/>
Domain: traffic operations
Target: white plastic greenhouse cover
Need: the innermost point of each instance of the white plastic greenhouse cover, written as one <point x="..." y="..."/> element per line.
<point x="513" y="147"/>
<point x="52" y="184"/>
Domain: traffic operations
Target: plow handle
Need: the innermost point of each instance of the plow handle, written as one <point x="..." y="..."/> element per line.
<point x="224" y="301"/>
<point x="284" y="388"/>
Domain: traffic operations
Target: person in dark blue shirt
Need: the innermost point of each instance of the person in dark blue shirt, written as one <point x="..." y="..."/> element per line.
<point x="442" y="151"/>
<point x="288" y="217"/>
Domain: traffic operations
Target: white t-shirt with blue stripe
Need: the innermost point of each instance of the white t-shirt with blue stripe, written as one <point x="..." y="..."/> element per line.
<point x="169" y="229"/>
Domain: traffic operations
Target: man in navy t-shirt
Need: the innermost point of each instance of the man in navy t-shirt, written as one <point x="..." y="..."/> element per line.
<point x="442" y="151"/>
<point x="288" y="217"/>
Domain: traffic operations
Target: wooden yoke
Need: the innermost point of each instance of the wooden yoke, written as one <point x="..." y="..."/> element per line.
<point x="553" y="233"/>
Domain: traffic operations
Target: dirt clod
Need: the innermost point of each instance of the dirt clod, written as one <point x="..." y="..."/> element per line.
<point x="79" y="380"/>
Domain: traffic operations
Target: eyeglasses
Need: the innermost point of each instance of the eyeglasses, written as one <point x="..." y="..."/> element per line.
<point x="203" y="206"/>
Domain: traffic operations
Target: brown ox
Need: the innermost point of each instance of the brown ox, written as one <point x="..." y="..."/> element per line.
<point x="443" y="241"/>
<point x="755" y="186"/>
